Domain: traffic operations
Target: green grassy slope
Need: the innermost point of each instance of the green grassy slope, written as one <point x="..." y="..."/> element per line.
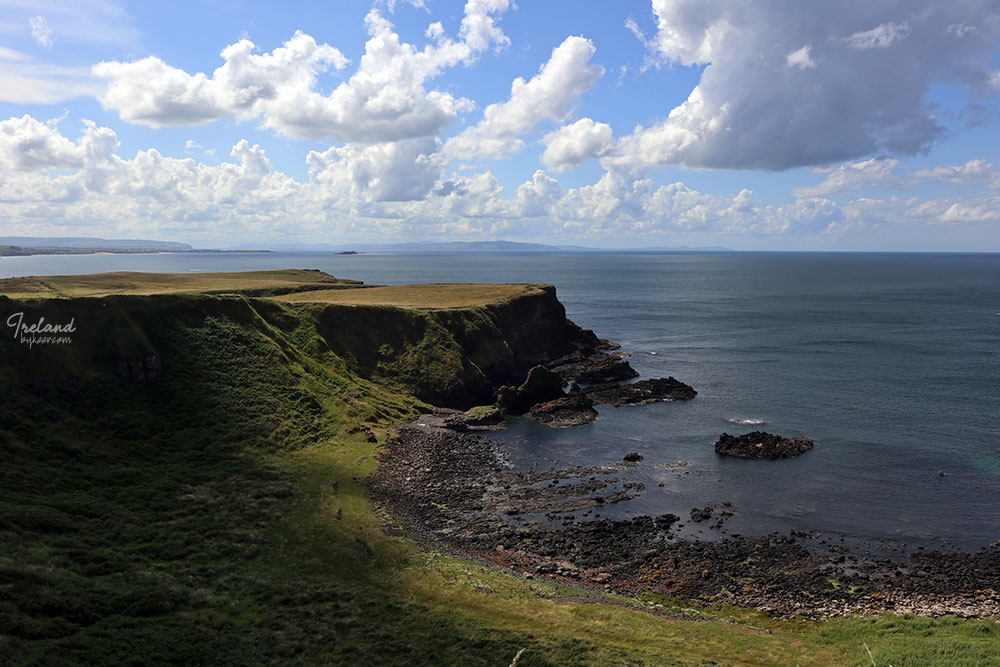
<point x="216" y="515"/>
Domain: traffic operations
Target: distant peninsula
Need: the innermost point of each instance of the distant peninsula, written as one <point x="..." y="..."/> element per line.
<point x="21" y="246"/>
<point x="494" y="246"/>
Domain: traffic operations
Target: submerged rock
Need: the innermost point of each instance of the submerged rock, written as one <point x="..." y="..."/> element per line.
<point x="761" y="445"/>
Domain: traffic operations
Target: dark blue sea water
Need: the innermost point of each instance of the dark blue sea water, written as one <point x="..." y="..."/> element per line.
<point x="890" y="362"/>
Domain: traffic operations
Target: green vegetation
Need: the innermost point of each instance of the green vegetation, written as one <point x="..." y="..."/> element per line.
<point x="296" y="285"/>
<point x="217" y="514"/>
<point x="479" y="410"/>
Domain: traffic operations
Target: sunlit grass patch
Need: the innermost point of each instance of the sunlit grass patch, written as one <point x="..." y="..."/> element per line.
<point x="428" y="296"/>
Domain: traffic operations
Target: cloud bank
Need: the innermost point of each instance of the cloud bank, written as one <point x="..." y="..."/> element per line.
<point x="50" y="183"/>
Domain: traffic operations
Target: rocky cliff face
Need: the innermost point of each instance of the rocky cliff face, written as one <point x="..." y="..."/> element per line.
<point x="457" y="357"/>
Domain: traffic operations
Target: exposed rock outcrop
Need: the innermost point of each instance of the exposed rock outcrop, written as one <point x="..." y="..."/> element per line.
<point x="641" y="392"/>
<point x="572" y="410"/>
<point x="542" y="398"/>
<point x="593" y="367"/>
<point x="481" y="418"/>
<point x="761" y="445"/>
<point x="541" y="386"/>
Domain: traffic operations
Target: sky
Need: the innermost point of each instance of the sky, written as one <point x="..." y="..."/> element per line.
<point x="749" y="124"/>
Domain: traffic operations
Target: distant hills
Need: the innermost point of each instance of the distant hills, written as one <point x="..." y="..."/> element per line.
<point x="14" y="246"/>
<point x="11" y="246"/>
<point x="92" y="243"/>
<point x="456" y="246"/>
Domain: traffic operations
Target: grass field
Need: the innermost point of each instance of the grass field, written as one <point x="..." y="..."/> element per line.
<point x="294" y="285"/>
<point x="429" y="296"/>
<point x="218" y="516"/>
<point x="127" y="282"/>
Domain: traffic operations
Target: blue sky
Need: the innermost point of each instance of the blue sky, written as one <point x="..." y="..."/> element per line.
<point x="763" y="124"/>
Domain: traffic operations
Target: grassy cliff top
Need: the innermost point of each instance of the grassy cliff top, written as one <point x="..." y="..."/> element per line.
<point x="128" y="282"/>
<point x="431" y="296"/>
<point x="295" y="285"/>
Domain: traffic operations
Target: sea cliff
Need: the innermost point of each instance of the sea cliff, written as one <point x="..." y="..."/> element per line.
<point x="451" y="357"/>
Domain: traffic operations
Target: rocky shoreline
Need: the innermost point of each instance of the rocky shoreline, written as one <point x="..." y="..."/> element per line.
<point x="457" y="490"/>
<point x="453" y="486"/>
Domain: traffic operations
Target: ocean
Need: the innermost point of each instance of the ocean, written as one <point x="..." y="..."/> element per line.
<point x="890" y="362"/>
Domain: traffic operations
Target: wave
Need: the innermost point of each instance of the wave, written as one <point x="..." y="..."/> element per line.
<point x="747" y="422"/>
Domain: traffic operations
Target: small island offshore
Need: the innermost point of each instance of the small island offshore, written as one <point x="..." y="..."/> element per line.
<point x="277" y="467"/>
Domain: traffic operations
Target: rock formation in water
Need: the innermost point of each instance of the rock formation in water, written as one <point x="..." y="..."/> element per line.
<point x="572" y="410"/>
<point x="640" y="393"/>
<point x="541" y="386"/>
<point x="761" y="445"/>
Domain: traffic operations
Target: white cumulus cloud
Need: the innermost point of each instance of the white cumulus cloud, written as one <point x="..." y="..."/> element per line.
<point x="150" y="92"/>
<point x="765" y="101"/>
<point x="546" y="96"/>
<point x="385" y="99"/>
<point x="393" y="171"/>
<point x="568" y="146"/>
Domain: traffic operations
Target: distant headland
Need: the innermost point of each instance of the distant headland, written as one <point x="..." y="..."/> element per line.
<point x="20" y="246"/>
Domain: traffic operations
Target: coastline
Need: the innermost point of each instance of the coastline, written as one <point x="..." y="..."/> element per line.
<point x="454" y="488"/>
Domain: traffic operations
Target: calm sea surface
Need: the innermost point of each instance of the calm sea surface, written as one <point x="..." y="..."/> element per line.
<point x="891" y="362"/>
